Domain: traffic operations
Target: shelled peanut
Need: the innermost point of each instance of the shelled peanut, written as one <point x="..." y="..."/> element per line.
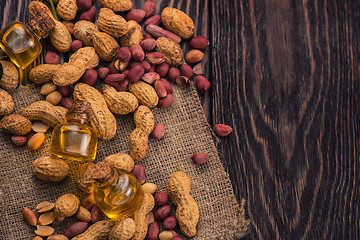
<point x="64" y="206"/>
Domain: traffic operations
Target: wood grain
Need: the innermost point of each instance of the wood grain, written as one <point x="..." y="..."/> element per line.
<point x="286" y="77"/>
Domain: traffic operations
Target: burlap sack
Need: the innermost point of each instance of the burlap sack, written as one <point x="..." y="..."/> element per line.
<point x="187" y="132"/>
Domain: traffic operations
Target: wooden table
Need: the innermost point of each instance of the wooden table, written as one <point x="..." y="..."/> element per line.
<point x="285" y="76"/>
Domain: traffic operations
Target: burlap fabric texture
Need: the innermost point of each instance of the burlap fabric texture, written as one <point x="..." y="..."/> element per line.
<point x="187" y="132"/>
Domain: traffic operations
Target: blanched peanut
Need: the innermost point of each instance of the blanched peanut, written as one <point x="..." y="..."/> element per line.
<point x="149" y="188"/>
<point x="54" y="98"/>
<point x="47" y="88"/>
<point x="46" y="218"/>
<point x="44" y="231"/>
<point x="166" y="235"/>
<point x="39" y="127"/>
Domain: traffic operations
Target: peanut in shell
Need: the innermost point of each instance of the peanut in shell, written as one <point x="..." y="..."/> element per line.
<point x="178" y="22"/>
<point x="49" y="169"/>
<point x="6" y="104"/>
<point x="86" y="55"/>
<point x="84" y="31"/>
<point x="105" y="45"/>
<point x="15" y="124"/>
<point x="60" y="37"/>
<point x="10" y="77"/>
<point x="120" y="102"/>
<point x="46" y="112"/>
<point x="145" y="93"/>
<point x="69" y="73"/>
<point x="66" y="206"/>
<point x="113" y="24"/>
<point x="117" y="5"/>
<point x="43" y="73"/>
<point x="133" y="35"/>
<point x="101" y="119"/>
<point x="170" y="50"/>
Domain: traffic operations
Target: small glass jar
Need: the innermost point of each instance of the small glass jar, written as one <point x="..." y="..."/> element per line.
<point x="75" y="139"/>
<point x="117" y="192"/>
<point x="21" y="42"/>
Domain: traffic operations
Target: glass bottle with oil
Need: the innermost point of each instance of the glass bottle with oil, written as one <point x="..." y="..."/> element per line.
<point x="117" y="192"/>
<point x="75" y="140"/>
<point x="21" y="42"/>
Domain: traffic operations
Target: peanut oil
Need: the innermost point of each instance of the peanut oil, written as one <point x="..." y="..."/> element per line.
<point x="120" y="195"/>
<point x="75" y="140"/>
<point x="20" y="44"/>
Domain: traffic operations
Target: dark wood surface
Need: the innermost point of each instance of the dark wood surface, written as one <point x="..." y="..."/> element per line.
<point x="285" y="76"/>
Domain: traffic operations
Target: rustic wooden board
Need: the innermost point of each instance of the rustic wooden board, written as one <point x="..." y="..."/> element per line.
<point x="285" y="75"/>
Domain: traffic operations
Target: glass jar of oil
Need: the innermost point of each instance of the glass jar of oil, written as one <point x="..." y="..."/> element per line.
<point x="117" y="192"/>
<point x="75" y="139"/>
<point x="21" y="42"/>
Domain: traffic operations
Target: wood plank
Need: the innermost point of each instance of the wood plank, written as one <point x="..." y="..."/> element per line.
<point x="286" y="77"/>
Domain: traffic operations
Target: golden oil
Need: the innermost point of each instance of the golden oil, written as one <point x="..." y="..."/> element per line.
<point x="118" y="194"/>
<point x="20" y="44"/>
<point x="75" y="140"/>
